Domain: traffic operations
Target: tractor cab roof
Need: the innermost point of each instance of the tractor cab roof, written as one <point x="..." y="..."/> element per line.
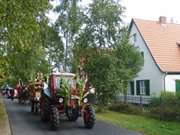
<point x="64" y="74"/>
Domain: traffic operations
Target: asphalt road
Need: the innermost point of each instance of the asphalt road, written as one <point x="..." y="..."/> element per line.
<point x="25" y="123"/>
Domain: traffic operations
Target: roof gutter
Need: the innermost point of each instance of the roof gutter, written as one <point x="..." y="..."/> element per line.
<point x="171" y="73"/>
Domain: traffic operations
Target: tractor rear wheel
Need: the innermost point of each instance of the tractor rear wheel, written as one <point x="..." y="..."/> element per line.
<point x="44" y="112"/>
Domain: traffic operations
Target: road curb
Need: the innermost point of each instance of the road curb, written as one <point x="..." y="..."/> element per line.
<point x="7" y="127"/>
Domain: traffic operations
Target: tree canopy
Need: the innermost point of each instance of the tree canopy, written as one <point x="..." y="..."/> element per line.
<point x="68" y="24"/>
<point x="22" y="41"/>
<point x="111" y="61"/>
<point x="29" y="43"/>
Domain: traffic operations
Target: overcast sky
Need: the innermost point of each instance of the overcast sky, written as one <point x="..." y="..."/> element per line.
<point x="146" y="9"/>
<point x="152" y="9"/>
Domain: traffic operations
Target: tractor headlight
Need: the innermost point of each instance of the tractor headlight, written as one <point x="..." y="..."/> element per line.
<point x="38" y="98"/>
<point x="92" y="90"/>
<point x="61" y="100"/>
<point x="85" y="100"/>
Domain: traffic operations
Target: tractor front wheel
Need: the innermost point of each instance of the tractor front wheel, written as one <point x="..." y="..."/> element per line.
<point x="32" y="106"/>
<point x="36" y="107"/>
<point x="72" y="113"/>
<point x="54" y="118"/>
<point x="89" y="117"/>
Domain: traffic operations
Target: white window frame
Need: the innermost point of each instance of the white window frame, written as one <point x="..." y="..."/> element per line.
<point x="142" y="87"/>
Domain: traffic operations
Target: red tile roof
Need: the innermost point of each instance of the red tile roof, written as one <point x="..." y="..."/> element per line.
<point x="162" y="41"/>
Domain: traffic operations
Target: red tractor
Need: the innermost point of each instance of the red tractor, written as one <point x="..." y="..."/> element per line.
<point x="66" y="95"/>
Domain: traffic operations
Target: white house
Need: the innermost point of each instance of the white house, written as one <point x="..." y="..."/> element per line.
<point x="159" y="44"/>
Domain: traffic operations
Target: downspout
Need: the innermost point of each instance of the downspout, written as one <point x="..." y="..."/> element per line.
<point x="165" y="81"/>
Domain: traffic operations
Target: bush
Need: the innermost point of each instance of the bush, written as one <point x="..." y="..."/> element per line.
<point x="125" y="108"/>
<point x="155" y="112"/>
<point x="166" y="107"/>
<point x="100" y="109"/>
<point x="165" y="113"/>
<point x="156" y="101"/>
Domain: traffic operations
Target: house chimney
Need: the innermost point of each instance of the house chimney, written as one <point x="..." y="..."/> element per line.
<point x="162" y="20"/>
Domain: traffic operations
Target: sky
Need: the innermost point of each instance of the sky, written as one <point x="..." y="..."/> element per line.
<point x="144" y="9"/>
<point x="152" y="9"/>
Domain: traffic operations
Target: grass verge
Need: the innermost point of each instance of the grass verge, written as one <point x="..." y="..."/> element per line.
<point x="2" y="115"/>
<point x="4" y="123"/>
<point x="145" y="125"/>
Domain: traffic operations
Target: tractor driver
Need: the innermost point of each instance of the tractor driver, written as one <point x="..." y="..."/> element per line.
<point x="45" y="88"/>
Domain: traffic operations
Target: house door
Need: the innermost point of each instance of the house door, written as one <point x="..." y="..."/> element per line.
<point x="177" y="85"/>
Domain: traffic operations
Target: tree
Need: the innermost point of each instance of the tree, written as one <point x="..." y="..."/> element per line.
<point x="126" y="63"/>
<point x="21" y="42"/>
<point x="52" y="43"/>
<point x="102" y="27"/>
<point x="98" y="68"/>
<point x="105" y="20"/>
<point x="68" y="24"/>
<point x="111" y="61"/>
<point x="110" y="70"/>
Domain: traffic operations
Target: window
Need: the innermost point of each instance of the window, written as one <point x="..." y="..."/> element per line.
<point x="134" y="37"/>
<point x="143" y="87"/>
<point x="142" y="54"/>
<point x="132" y="87"/>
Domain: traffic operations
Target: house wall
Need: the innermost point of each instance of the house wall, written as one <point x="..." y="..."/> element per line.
<point x="170" y="82"/>
<point x="150" y="70"/>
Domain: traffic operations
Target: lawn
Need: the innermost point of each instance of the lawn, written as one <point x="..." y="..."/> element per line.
<point x="145" y="125"/>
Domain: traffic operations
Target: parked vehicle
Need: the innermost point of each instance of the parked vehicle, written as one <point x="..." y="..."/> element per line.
<point x="8" y="91"/>
<point x="65" y="96"/>
<point x="3" y="90"/>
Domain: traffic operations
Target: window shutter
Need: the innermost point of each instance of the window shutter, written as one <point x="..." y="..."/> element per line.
<point x="138" y="87"/>
<point x="178" y="86"/>
<point x="132" y="87"/>
<point x="147" y="87"/>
